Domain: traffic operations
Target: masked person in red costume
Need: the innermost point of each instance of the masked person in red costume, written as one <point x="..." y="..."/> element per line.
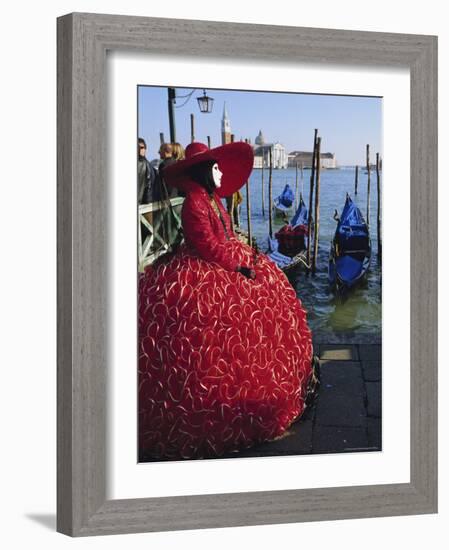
<point x="225" y="350"/>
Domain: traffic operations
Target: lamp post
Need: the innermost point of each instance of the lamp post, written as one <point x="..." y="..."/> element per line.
<point x="205" y="104"/>
<point x="171" y="113"/>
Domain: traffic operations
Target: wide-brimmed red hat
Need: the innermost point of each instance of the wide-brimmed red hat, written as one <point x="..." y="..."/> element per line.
<point x="235" y="160"/>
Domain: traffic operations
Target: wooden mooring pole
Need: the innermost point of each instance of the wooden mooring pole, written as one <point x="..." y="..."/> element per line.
<point x="248" y="209"/>
<point x="302" y="178"/>
<point x="192" y="127"/>
<point x="248" y="213"/>
<point x="208" y="141"/>
<point x="296" y="187"/>
<point x="270" y="195"/>
<point x="369" y="186"/>
<point x="231" y="210"/>
<point x="312" y="178"/>
<point x="317" y="205"/>
<point x="356" y="179"/>
<point x="263" y="190"/>
<point x="161" y="137"/>
<point x="230" y="201"/>
<point x="379" y="206"/>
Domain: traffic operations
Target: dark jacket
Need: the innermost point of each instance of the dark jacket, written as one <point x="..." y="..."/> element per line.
<point x="146" y="180"/>
<point x="161" y="190"/>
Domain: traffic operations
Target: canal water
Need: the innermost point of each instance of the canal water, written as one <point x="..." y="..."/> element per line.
<point x="358" y="317"/>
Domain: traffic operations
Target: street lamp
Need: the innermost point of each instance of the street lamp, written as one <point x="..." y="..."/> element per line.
<point x="205" y="103"/>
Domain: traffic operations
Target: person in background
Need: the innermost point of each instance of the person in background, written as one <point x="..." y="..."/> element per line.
<point x="233" y="208"/>
<point x="160" y="191"/>
<point x="166" y="224"/>
<point x="146" y="174"/>
<point x="178" y="154"/>
<point x="178" y="151"/>
<point x="166" y="154"/>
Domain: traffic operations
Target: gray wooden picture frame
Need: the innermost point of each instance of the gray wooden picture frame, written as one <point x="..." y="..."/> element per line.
<point x="83" y="40"/>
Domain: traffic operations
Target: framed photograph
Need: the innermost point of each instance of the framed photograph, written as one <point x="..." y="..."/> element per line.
<point x="194" y="389"/>
<point x="243" y="354"/>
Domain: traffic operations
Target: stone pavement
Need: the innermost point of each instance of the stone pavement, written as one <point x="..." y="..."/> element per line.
<point x="346" y="416"/>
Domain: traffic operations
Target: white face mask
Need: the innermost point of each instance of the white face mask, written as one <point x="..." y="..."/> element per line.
<point x="216" y="175"/>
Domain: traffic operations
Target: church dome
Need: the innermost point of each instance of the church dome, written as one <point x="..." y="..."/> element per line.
<point x="260" y="140"/>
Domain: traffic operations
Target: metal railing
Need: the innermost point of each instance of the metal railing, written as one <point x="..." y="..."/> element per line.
<point x="153" y="238"/>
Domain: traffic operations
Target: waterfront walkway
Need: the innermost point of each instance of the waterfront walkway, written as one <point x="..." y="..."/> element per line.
<point x="346" y="416"/>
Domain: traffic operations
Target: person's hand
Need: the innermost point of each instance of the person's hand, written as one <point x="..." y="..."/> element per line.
<point x="247" y="272"/>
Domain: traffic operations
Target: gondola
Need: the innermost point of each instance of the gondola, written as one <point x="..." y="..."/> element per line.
<point x="292" y="236"/>
<point x="283" y="204"/>
<point x="350" y="252"/>
<point x="284" y="262"/>
<point x="288" y="247"/>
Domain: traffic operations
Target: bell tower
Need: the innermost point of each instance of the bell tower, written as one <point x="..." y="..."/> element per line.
<point x="225" y="127"/>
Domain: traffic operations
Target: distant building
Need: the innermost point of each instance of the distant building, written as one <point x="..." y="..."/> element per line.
<point x="260" y="140"/>
<point x="262" y="153"/>
<point x="258" y="159"/>
<point x="328" y="160"/>
<point x="225" y="127"/>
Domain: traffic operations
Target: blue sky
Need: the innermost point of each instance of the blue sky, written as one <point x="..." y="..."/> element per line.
<point x="345" y="123"/>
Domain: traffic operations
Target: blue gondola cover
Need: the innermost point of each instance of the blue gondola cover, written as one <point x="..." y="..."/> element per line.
<point x="300" y="217"/>
<point x="351" y="248"/>
<point x="287" y="197"/>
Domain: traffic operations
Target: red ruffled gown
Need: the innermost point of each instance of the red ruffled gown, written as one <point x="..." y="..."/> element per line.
<point x="224" y="360"/>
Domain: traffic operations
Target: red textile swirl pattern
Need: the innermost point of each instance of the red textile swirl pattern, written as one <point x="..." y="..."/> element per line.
<point x="224" y="361"/>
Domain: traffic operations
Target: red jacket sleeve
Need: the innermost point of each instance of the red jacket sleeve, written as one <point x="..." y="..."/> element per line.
<point x="199" y="233"/>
